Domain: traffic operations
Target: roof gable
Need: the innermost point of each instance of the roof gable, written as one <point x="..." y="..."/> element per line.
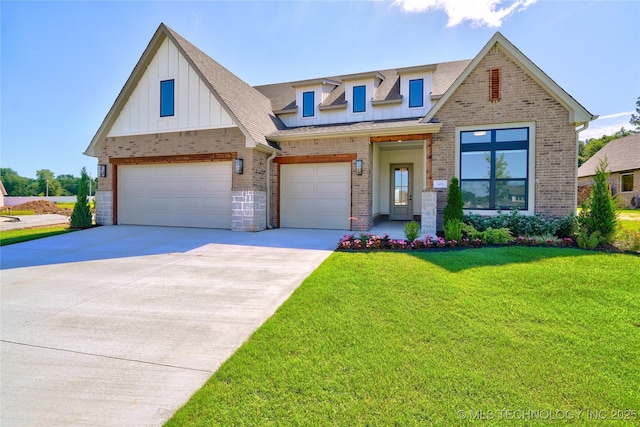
<point x="247" y="107"/>
<point x="577" y="113"/>
<point x="623" y="154"/>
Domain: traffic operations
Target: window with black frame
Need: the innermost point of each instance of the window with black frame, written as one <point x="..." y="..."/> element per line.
<point x="494" y="168"/>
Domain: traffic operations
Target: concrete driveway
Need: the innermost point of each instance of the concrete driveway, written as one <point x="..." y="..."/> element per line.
<point x="120" y="325"/>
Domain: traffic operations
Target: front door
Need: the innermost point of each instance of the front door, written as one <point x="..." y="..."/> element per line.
<point x="401" y="193"/>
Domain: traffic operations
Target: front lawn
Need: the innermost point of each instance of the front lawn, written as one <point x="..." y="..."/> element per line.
<point x="23" y="235"/>
<point x="437" y="338"/>
<point x="629" y="219"/>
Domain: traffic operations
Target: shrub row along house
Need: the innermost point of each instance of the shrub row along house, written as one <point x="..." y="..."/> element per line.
<point x="187" y="143"/>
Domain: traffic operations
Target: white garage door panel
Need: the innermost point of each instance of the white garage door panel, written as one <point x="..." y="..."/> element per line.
<point x="180" y="195"/>
<point x="316" y="195"/>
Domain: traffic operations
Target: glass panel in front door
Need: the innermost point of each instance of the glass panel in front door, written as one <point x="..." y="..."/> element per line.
<point x="401" y="198"/>
<point x="401" y="190"/>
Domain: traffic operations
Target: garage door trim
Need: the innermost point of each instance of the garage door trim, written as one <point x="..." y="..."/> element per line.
<point x="186" y="158"/>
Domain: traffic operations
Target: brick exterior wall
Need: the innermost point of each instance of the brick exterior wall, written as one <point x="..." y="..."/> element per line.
<point x="229" y="140"/>
<point x="615" y="184"/>
<point x="523" y="100"/>
<point x="361" y="185"/>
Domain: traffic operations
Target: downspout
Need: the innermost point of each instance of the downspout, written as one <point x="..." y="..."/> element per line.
<point x="269" y="162"/>
<point x="580" y="129"/>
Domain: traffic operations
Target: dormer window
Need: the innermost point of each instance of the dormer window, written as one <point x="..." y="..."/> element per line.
<point x="359" y="99"/>
<point x="167" y="98"/>
<point x="416" y="93"/>
<point x="308" y="104"/>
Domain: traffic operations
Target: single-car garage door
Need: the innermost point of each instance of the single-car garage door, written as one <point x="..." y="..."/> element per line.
<point x="315" y="195"/>
<point x="177" y="195"/>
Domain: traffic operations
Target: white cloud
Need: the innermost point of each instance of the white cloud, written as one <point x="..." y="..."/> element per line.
<point x="607" y="125"/>
<point x="626" y="114"/>
<point x="479" y="12"/>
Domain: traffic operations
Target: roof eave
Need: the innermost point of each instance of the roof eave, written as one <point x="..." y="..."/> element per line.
<point x="578" y="114"/>
<point x="127" y="89"/>
<point x="422" y="128"/>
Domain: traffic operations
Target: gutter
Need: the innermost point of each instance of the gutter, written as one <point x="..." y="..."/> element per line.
<point x="584" y="126"/>
<point x="384" y="131"/>
<point x="273" y="152"/>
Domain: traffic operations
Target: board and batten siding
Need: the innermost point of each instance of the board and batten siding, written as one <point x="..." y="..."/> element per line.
<point x="195" y="106"/>
<point x="373" y="112"/>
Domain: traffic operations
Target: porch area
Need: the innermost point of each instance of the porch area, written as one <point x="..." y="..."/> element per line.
<point x="402" y="184"/>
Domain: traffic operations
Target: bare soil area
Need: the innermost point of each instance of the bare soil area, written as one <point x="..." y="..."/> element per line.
<point x="41" y="207"/>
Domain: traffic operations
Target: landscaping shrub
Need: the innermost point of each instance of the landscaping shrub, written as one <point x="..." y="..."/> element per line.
<point x="81" y="216"/>
<point x="588" y="241"/>
<point x="453" y="230"/>
<point x="628" y="240"/>
<point x="524" y="225"/>
<point x="412" y="230"/>
<point x="490" y="236"/>
<point x="453" y="208"/>
<point x="598" y="212"/>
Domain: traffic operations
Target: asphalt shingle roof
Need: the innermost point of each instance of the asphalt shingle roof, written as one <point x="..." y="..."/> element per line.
<point x="283" y="95"/>
<point x="347" y="127"/>
<point x="250" y="107"/>
<point x="623" y="154"/>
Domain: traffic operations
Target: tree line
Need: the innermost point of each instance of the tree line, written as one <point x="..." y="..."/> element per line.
<point x="45" y="183"/>
<point x="586" y="149"/>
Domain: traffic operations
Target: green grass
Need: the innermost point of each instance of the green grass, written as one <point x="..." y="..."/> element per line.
<point x="16" y="236"/>
<point x="629" y="219"/>
<point x="11" y="212"/>
<point x="386" y="338"/>
<point x="65" y="205"/>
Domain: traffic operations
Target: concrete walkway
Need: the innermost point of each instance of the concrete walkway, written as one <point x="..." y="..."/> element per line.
<point x="120" y="325"/>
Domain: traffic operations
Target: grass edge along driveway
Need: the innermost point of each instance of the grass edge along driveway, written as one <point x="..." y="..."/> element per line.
<point x="438" y="338"/>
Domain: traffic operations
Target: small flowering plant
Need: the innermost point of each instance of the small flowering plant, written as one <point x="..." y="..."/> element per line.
<point x="364" y="241"/>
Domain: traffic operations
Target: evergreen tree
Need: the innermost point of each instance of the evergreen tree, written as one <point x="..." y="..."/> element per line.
<point x="81" y="215"/>
<point x="599" y="211"/>
<point x="453" y="209"/>
<point x="635" y="118"/>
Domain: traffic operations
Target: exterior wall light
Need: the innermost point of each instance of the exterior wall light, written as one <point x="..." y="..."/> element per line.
<point x="102" y="171"/>
<point x="238" y="166"/>
<point x="358" y="167"/>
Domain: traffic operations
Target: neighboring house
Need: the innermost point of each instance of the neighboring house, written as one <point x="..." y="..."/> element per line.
<point x="187" y="143"/>
<point x="623" y="157"/>
<point x="3" y="192"/>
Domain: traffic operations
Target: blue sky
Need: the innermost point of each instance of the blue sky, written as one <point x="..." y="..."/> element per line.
<point x="64" y="63"/>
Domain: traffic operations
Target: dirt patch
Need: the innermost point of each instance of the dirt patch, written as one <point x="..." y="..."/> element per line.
<point x="41" y="207"/>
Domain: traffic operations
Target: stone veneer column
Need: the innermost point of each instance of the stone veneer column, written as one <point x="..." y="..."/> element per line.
<point x="104" y="207"/>
<point x="249" y="210"/>
<point x="429" y="212"/>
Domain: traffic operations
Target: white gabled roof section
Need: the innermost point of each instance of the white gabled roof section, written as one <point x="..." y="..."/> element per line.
<point x="577" y="113"/>
<point x="196" y="107"/>
<point x="246" y="107"/>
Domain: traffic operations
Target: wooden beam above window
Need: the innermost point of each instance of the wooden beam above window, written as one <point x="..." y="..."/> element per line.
<point x="393" y="138"/>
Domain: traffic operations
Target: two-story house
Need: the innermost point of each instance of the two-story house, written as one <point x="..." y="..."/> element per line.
<point x="188" y="143"/>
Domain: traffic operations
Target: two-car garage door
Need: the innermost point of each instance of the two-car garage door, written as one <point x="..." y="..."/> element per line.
<point x="181" y="194"/>
<point x="312" y="195"/>
<point x="315" y="195"/>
